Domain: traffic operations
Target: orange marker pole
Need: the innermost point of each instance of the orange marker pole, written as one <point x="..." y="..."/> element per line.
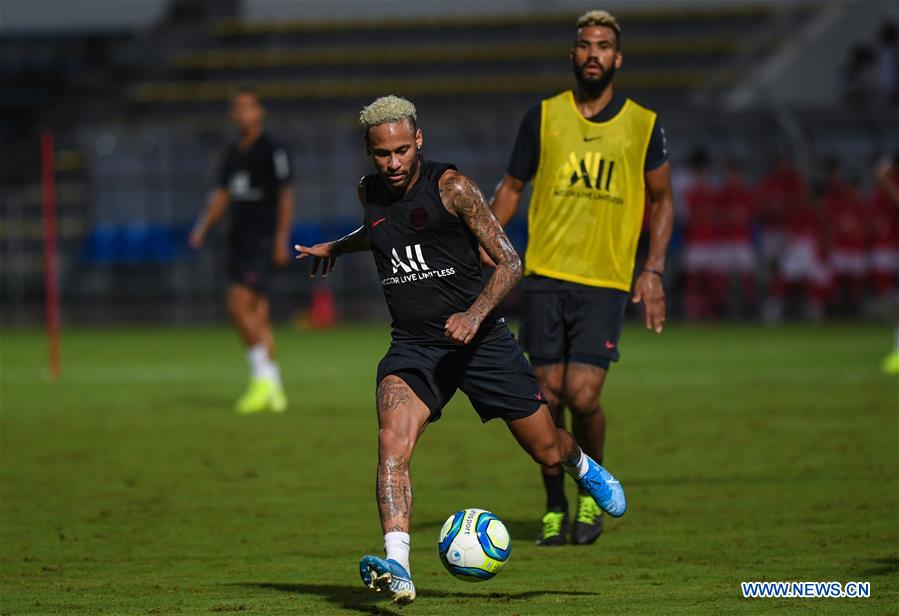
<point x="51" y="272"/>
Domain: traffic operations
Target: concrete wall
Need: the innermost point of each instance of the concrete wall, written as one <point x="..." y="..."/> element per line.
<point x="267" y="10"/>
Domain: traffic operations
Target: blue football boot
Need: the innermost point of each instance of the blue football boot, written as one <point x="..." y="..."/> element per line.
<point x="381" y="574"/>
<point x="605" y="489"/>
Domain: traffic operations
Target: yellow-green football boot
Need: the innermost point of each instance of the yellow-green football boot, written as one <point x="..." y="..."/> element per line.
<point x="588" y="525"/>
<point x="257" y="397"/>
<point x="555" y="529"/>
<point x="278" y="402"/>
<point x="890" y="363"/>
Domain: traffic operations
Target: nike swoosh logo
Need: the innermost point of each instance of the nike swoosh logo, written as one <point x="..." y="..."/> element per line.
<point x="610" y="345"/>
<point x="377" y="222"/>
<point x="592" y="138"/>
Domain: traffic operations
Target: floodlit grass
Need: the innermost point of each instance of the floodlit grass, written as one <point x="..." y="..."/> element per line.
<point x="747" y="454"/>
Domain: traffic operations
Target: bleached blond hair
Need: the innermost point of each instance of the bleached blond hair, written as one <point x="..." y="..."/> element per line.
<point x="599" y="18"/>
<point x="387" y="109"/>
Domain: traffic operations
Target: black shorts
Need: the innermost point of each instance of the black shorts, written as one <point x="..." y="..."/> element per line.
<point x="250" y="264"/>
<point x="491" y="370"/>
<point x="564" y="322"/>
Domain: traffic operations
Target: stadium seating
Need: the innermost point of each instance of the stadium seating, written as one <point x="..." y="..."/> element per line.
<point x="666" y="49"/>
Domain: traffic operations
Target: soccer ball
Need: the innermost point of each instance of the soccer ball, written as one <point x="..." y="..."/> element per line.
<point x="474" y="545"/>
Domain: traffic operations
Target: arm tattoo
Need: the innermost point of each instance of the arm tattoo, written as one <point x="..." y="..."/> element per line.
<point x="462" y="197"/>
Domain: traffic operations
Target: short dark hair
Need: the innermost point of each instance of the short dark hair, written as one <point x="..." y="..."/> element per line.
<point x="600" y="18"/>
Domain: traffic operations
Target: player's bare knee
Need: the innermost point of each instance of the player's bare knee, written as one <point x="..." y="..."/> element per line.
<point x="553" y="399"/>
<point x="552" y="387"/>
<point x="233" y="306"/>
<point x="547" y="453"/>
<point x="393" y="443"/>
<point x="551" y="457"/>
<point x="237" y="304"/>
<point x="552" y="380"/>
<point x="584" y="403"/>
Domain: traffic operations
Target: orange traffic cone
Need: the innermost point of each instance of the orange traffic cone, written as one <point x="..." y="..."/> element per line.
<point x="322" y="313"/>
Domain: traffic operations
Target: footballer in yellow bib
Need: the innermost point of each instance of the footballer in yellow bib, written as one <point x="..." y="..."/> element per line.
<point x="586" y="211"/>
<point x="598" y="161"/>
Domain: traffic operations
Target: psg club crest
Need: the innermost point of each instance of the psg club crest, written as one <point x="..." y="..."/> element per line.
<point x="418" y="218"/>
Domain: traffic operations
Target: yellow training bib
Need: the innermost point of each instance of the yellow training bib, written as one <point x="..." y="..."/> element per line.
<point x="588" y="197"/>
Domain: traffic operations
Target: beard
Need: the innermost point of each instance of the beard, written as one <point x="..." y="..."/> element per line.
<point x="407" y="176"/>
<point x="593" y="88"/>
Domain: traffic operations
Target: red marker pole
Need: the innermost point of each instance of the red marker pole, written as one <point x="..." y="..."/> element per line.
<point x="51" y="273"/>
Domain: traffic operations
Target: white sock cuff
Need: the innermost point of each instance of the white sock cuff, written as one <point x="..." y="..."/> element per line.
<point x="582" y="465"/>
<point x="260" y="364"/>
<point x="276" y="372"/>
<point x="396" y="544"/>
<point x="578" y="464"/>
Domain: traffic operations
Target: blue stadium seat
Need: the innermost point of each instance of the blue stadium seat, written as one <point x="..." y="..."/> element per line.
<point x="135" y="243"/>
<point x="339" y="228"/>
<point x="160" y="246"/>
<point x="308" y="234"/>
<point x="102" y="245"/>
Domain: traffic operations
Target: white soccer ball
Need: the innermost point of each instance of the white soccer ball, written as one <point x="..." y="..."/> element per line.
<point x="474" y="545"/>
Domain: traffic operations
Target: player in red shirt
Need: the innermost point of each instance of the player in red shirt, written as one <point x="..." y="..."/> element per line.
<point x="705" y="282"/>
<point x="885" y="230"/>
<point x="789" y="248"/>
<point x="846" y="214"/>
<point x="781" y="189"/>
<point x="738" y="210"/>
<point x="801" y="268"/>
<point x="885" y="244"/>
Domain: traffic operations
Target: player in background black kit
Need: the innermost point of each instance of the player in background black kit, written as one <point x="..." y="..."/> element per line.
<point x="423" y="223"/>
<point x="255" y="180"/>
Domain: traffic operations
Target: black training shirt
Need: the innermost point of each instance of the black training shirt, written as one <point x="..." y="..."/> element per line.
<point x="427" y="258"/>
<point x="254" y="178"/>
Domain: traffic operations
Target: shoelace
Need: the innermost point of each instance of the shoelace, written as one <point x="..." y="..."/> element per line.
<point x="586" y="510"/>
<point x="552" y="523"/>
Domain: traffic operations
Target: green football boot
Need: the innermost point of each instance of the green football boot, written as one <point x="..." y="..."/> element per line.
<point x="890" y="363"/>
<point x="555" y="529"/>
<point x="588" y="523"/>
<point x="278" y="402"/>
<point x="257" y="398"/>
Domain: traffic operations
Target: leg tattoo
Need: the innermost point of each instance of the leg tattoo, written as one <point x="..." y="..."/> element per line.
<point x="392" y="394"/>
<point x="394" y="491"/>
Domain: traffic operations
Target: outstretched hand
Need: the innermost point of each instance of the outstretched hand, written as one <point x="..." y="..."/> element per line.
<point x="322" y="254"/>
<point x="649" y="290"/>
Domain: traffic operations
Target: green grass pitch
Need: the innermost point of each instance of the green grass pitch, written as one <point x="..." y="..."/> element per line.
<point x="747" y="454"/>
